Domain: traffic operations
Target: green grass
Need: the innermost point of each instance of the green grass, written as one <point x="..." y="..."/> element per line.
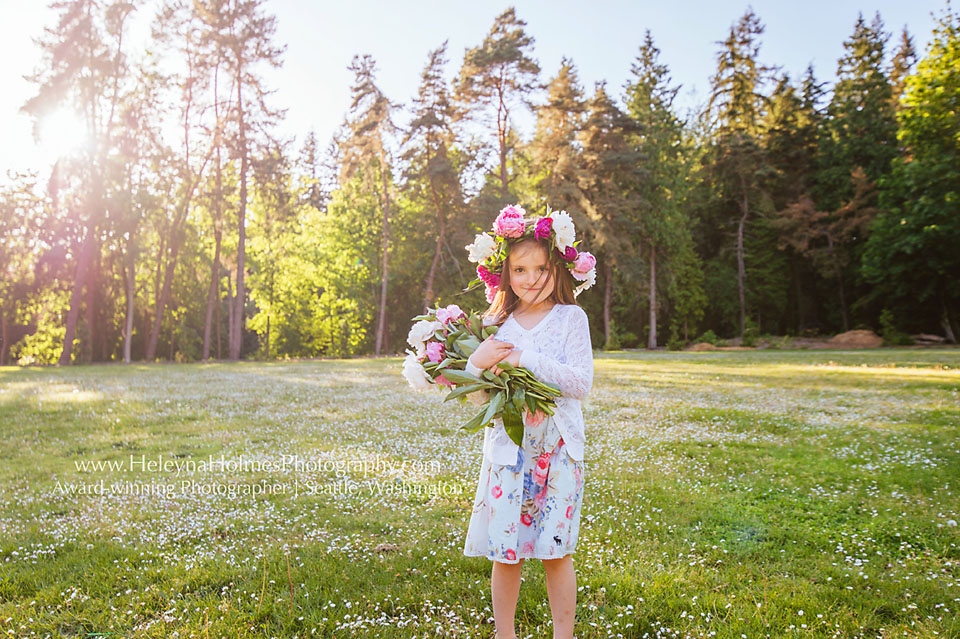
<point x="726" y="492"/>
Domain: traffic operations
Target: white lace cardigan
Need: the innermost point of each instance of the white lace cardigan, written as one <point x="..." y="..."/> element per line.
<point x="557" y="350"/>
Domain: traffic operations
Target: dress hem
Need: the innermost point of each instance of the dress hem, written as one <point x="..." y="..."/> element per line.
<point x="519" y="557"/>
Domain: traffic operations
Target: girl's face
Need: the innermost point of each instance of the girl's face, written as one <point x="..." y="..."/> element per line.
<point x="530" y="276"/>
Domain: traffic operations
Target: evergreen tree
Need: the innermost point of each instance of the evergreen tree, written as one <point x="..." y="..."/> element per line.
<point x="273" y="209"/>
<point x="911" y="257"/>
<point x="34" y="239"/>
<point x="861" y="125"/>
<point x="828" y="238"/>
<point x="497" y="75"/>
<point x="248" y="43"/>
<point x="860" y="131"/>
<point x="791" y="132"/>
<point x="554" y="148"/>
<point x="366" y="154"/>
<point x="736" y="161"/>
<point x="83" y="68"/>
<point x="179" y="30"/>
<point x="609" y="165"/>
<point x="215" y="18"/>
<point x="661" y="221"/>
<point x="901" y="66"/>
<point x="310" y="167"/>
<point x="432" y="175"/>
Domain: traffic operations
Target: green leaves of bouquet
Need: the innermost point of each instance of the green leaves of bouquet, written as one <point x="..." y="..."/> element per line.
<point x="444" y="341"/>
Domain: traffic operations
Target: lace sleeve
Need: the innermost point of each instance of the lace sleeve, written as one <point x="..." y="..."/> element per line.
<point x="575" y="377"/>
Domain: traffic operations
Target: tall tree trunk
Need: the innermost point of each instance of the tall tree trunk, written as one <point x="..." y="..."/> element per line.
<point x="442" y="219"/>
<point x="212" y="297"/>
<point x="214" y="290"/>
<point x="236" y="341"/>
<point x="384" y="267"/>
<point x="161" y="309"/>
<point x="76" y="295"/>
<point x="840" y="289"/>
<point x="220" y="318"/>
<point x="158" y="276"/>
<point x="652" y="339"/>
<point x="946" y="321"/>
<point x="843" y="303"/>
<point x="741" y="271"/>
<point x="90" y="350"/>
<point x="502" y="115"/>
<point x="4" y="338"/>
<point x="270" y="310"/>
<point x="176" y="234"/>
<point x="131" y="289"/>
<point x="799" y="295"/>
<point x="231" y="309"/>
<point x="607" y="301"/>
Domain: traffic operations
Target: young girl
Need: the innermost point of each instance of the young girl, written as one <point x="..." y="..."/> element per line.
<point x="529" y="498"/>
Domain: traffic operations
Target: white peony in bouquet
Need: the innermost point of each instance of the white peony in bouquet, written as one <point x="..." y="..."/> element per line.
<point x="442" y="340"/>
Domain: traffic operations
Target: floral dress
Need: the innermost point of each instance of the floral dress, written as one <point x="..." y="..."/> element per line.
<point x="531" y="508"/>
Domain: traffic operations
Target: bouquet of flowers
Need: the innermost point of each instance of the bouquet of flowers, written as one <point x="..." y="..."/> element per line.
<point x="443" y="339"/>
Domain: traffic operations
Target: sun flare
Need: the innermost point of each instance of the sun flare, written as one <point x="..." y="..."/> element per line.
<point x="62" y="132"/>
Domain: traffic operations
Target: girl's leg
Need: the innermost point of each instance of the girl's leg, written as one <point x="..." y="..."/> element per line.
<point x="562" y="592"/>
<point x="505" y="590"/>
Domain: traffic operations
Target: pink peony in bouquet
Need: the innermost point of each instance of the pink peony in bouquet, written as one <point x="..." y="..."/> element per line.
<point x="442" y="340"/>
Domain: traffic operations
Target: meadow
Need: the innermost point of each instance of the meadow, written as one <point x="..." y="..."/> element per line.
<point x="728" y="495"/>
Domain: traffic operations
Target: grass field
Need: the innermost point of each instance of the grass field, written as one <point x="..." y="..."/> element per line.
<point x="728" y="495"/>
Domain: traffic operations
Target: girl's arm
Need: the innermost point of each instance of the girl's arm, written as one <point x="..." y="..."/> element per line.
<point x="575" y="378"/>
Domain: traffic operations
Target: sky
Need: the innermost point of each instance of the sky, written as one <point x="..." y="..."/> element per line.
<point x="602" y="38"/>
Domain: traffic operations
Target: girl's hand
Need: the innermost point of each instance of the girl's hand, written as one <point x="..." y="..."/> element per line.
<point x="490" y="352"/>
<point x="513" y="358"/>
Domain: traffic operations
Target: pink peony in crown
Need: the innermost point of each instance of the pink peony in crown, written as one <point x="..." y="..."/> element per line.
<point x="511" y="226"/>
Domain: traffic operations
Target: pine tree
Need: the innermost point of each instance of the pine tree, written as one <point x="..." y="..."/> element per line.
<point x="432" y="175"/>
<point x="792" y="130"/>
<point x="179" y="30"/>
<point x="554" y="148"/>
<point x="497" y="75"/>
<point x="609" y="165"/>
<point x="248" y="42"/>
<point x="83" y="68"/>
<point x="901" y="66"/>
<point x="661" y="221"/>
<point x="911" y="257"/>
<point x="365" y="153"/>
<point x="860" y="131"/>
<point x="861" y="124"/>
<point x="736" y="160"/>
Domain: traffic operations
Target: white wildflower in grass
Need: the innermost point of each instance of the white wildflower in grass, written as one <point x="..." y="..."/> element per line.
<point x="563" y="227"/>
<point x="482" y="248"/>
<point x="415" y="375"/>
<point x="771" y="450"/>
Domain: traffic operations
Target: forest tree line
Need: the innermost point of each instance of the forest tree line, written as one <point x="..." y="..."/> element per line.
<point x="187" y="228"/>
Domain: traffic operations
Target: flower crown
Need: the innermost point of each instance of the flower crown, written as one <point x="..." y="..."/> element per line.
<point x="490" y="252"/>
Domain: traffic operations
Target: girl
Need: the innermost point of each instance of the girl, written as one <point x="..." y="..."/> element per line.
<point x="529" y="497"/>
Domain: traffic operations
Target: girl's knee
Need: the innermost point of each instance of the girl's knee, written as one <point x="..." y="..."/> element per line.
<point x="509" y="565"/>
<point x="550" y="563"/>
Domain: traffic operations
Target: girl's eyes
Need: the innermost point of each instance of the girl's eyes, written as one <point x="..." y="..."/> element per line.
<point x="519" y="269"/>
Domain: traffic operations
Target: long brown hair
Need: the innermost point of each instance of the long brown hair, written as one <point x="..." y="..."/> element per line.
<point x="506" y="301"/>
